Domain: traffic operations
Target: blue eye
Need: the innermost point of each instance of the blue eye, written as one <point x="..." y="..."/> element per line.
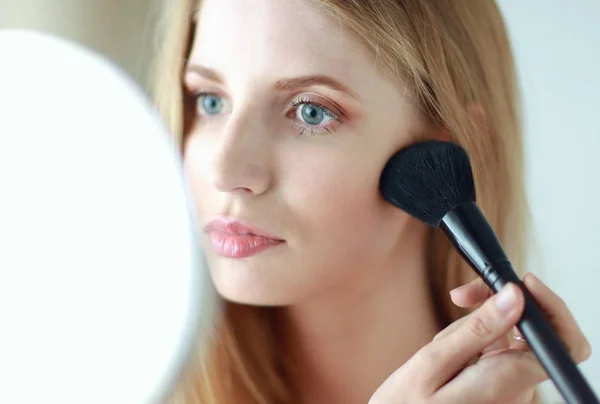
<point x="309" y="116"/>
<point x="210" y="104"/>
<point x="312" y="114"/>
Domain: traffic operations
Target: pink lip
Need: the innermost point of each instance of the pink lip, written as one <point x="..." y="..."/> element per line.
<point x="234" y="239"/>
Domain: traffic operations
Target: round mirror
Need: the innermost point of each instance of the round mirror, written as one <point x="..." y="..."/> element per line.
<point x="101" y="277"/>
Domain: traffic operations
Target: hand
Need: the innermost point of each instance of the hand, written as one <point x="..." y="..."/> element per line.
<point x="474" y="360"/>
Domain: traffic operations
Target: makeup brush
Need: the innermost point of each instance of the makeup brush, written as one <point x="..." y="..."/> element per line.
<point x="433" y="181"/>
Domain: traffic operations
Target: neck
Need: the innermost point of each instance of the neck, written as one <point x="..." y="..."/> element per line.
<point x="345" y="344"/>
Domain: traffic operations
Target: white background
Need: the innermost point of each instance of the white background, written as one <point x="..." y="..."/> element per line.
<point x="557" y="46"/>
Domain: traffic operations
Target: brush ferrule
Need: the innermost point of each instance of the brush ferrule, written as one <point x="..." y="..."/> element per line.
<point x="469" y="231"/>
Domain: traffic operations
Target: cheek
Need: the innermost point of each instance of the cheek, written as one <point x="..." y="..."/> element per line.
<point x="195" y="165"/>
<point x="339" y="209"/>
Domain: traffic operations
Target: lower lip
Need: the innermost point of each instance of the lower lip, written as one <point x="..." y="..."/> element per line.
<point x="240" y="245"/>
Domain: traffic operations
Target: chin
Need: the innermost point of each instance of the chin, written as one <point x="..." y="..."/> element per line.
<point x="252" y="296"/>
<point x="237" y="282"/>
<point x="253" y="299"/>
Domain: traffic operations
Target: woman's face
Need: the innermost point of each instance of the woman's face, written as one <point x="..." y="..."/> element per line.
<point x="294" y="125"/>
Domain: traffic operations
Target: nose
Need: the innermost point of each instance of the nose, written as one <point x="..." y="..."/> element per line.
<point x="241" y="162"/>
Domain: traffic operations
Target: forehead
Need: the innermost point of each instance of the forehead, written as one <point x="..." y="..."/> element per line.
<point x="291" y="37"/>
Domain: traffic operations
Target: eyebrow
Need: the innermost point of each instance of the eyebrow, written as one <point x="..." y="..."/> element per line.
<point x="287" y="84"/>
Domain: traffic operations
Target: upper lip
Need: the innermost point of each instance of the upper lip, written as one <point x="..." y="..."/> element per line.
<point x="237" y="227"/>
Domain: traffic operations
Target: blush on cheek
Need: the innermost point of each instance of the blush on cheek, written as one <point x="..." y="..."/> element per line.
<point x="347" y="218"/>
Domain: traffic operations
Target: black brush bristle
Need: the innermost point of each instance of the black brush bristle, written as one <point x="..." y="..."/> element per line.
<point x="428" y="179"/>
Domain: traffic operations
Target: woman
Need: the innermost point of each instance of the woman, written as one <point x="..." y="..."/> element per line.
<point x="286" y="112"/>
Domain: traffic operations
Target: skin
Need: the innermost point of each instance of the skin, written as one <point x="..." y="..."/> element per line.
<point x="477" y="351"/>
<point x="350" y="275"/>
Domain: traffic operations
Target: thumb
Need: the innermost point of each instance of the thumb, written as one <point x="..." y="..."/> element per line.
<point x="485" y="325"/>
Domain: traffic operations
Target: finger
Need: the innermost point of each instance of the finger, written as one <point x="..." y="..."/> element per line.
<point x="442" y="359"/>
<point x="466" y="295"/>
<point x="560" y="317"/>
<point x="501" y="344"/>
<point x="506" y="376"/>
<point x="451" y="328"/>
<point x="471" y="294"/>
<point x="504" y="342"/>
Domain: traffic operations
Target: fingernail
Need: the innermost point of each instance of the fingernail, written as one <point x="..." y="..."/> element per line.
<point x="530" y="277"/>
<point x="458" y="289"/>
<point x="506" y="299"/>
<point x="527" y="275"/>
<point x="535" y="278"/>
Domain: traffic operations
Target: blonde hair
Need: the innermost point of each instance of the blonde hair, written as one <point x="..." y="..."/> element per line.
<point x="455" y="56"/>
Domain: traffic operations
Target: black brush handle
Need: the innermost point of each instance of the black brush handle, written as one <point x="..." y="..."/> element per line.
<point x="471" y="234"/>
<point x="549" y="349"/>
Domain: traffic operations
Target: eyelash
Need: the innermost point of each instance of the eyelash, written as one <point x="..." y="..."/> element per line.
<point x="302" y="128"/>
<point x="325" y="130"/>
